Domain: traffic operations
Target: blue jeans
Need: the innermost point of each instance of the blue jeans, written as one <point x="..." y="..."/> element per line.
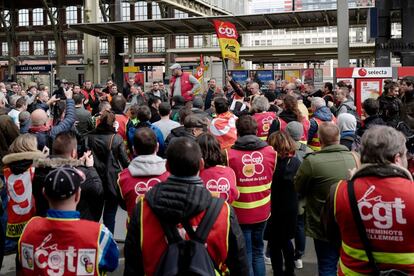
<point x="253" y="235"/>
<point x="300" y="238"/>
<point x="328" y="256"/>
<point x="109" y="213"/>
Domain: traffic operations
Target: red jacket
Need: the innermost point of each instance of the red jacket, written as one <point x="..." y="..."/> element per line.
<point x="186" y="86"/>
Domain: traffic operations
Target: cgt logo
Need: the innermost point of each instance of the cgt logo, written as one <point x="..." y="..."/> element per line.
<point x="227" y="31"/>
<point x="219" y="187"/>
<point x="252" y="164"/>
<point x="266" y="122"/>
<point x="143" y="187"/>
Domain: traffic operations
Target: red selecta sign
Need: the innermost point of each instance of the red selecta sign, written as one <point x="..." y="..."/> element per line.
<point x="225" y="29"/>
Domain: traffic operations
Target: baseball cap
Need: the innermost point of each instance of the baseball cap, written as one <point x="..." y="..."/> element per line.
<point x="63" y="182"/>
<point x="175" y="66"/>
<point x="195" y="121"/>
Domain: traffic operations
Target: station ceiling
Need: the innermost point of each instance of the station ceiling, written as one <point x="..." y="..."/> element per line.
<point x="204" y="25"/>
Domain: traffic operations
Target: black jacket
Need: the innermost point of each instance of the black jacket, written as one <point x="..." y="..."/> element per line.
<point x="287" y="116"/>
<point x="176" y="200"/>
<point x="91" y="202"/>
<point x="98" y="141"/>
<point x="284" y="199"/>
<point x="369" y="122"/>
<point x="249" y="142"/>
<point x="180" y="131"/>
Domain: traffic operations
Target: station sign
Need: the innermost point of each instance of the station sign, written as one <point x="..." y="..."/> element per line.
<point x="33" y="68"/>
<point x="364" y="72"/>
<point x="131" y="69"/>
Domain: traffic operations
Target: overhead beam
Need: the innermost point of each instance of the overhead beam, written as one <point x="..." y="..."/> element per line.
<point x="269" y="22"/>
<point x="241" y="23"/>
<point x="144" y="30"/>
<point x="190" y="26"/>
<point x="195" y="7"/>
<point x="165" y="27"/>
<point x="297" y="19"/>
<point x="326" y="16"/>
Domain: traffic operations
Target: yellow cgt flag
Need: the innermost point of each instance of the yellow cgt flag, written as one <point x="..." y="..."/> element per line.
<point x="227" y="36"/>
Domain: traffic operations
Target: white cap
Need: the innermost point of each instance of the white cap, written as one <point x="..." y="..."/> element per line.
<point x="175" y="66"/>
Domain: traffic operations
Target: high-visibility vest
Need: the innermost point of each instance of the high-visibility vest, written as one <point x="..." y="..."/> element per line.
<point x="264" y="121"/>
<point x="254" y="171"/>
<point x="315" y="144"/>
<point x="386" y="208"/>
<point x="221" y="182"/>
<point x="21" y="205"/>
<point x="132" y="188"/>
<point x="51" y="246"/>
<point x="154" y="244"/>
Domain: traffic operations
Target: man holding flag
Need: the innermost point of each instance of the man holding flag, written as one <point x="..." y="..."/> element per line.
<point x="183" y="83"/>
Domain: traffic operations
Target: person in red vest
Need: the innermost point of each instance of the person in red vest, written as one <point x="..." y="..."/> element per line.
<point x="179" y="200"/>
<point x="223" y="127"/>
<point x="384" y="193"/>
<point x="262" y="116"/>
<point x="321" y="114"/>
<point x="62" y="243"/>
<point x="254" y="162"/>
<point x="118" y="104"/>
<point x="219" y="180"/>
<point x="144" y="171"/>
<point x="182" y="83"/>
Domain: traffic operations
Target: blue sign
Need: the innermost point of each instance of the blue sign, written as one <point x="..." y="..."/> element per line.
<point x="239" y="76"/>
<point x="33" y="68"/>
<point x="262" y="77"/>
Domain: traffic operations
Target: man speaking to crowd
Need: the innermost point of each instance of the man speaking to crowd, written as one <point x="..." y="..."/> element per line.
<point x="182" y="83"/>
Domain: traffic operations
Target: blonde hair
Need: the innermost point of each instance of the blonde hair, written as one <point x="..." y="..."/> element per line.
<point x="24" y="143"/>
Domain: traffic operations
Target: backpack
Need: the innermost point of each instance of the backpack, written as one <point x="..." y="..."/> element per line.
<point x="189" y="257"/>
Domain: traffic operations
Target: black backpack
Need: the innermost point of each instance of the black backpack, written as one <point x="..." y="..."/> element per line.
<point x="189" y="257"/>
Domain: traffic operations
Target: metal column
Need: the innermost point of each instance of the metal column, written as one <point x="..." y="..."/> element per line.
<point x="383" y="56"/>
<point x="407" y="18"/>
<point x="119" y="50"/>
<point x="91" y="51"/>
<point x="343" y="33"/>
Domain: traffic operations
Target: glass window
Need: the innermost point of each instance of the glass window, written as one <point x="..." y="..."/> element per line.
<point x="180" y="14"/>
<point x="256" y="43"/>
<point x="4" y="49"/>
<point x="301" y="41"/>
<point x="269" y="42"/>
<point x="181" y="41"/>
<point x="307" y="41"/>
<point x="24" y="48"/>
<point x="327" y="40"/>
<point x="37" y="17"/>
<point x="126" y="12"/>
<point x="38" y="48"/>
<point x="24" y="17"/>
<point x="158" y="44"/>
<point x="71" y="15"/>
<point x="72" y="47"/>
<point x="53" y="14"/>
<point x="320" y="40"/>
<point x="51" y="45"/>
<point x="334" y="40"/>
<point x="198" y="41"/>
<point x="214" y="41"/>
<point x="101" y="18"/>
<point x="314" y="40"/>
<point x="156" y="13"/>
<point x="103" y="46"/>
<point x="295" y="41"/>
<point x="141" y="45"/>
<point x="126" y="46"/>
<point x="141" y="10"/>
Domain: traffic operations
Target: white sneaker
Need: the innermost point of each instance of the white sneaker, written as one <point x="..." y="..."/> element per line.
<point x="267" y="260"/>
<point x="298" y="263"/>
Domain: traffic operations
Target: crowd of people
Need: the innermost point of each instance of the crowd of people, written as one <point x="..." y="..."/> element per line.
<point x="206" y="177"/>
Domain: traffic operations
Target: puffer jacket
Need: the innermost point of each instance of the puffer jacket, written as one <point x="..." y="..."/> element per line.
<point x="91" y="202"/>
<point x="176" y="200"/>
<point x="98" y="141"/>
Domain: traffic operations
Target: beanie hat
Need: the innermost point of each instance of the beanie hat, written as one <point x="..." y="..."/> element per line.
<point x="295" y="130"/>
<point x="346" y="122"/>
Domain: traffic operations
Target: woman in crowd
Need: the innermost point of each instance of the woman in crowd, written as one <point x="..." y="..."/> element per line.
<point x="284" y="204"/>
<point x="110" y="158"/>
<point x="218" y="179"/>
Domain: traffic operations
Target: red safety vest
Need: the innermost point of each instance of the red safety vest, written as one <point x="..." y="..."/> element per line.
<point x="264" y="121"/>
<point x="60" y="247"/>
<point x="386" y="207"/>
<point x="132" y="188"/>
<point x="186" y="86"/>
<point x="154" y="244"/>
<point x="224" y="129"/>
<point x="306" y="125"/>
<point x="221" y="182"/>
<point x="254" y="171"/>
<point x="315" y="144"/>
<point x="21" y="206"/>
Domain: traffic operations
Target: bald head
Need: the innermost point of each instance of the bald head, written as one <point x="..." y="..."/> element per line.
<point x="328" y="134"/>
<point x="39" y="117"/>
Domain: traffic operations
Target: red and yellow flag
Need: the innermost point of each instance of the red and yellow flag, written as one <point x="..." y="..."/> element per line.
<point x="227" y="36"/>
<point x="199" y="74"/>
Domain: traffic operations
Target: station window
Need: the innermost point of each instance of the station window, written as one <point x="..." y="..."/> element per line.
<point x="72" y="47"/>
<point x="4" y="49"/>
<point x="320" y="40"/>
<point x="314" y="40"/>
<point x="103" y="46"/>
<point x="38" y="48"/>
<point x="301" y="41"/>
<point x="256" y="42"/>
<point x="125" y="11"/>
<point x="37" y="17"/>
<point x="101" y="17"/>
<point x="156" y="13"/>
<point x="269" y="42"/>
<point x="307" y="41"/>
<point x="141" y="10"/>
<point x="24" y="17"/>
<point x="24" y="48"/>
<point x="334" y="40"/>
<point x="180" y="14"/>
<point x="181" y="41"/>
<point x="141" y="45"/>
<point x="72" y="15"/>
<point x="198" y="41"/>
<point x="53" y="10"/>
<point x="51" y="45"/>
<point x="294" y="41"/>
<point x="214" y="41"/>
<point x="327" y="40"/>
<point x="126" y="45"/>
<point x="158" y="44"/>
